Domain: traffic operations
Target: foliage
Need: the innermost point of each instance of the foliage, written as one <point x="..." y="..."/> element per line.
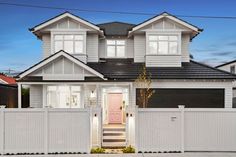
<point x="144" y="82"/>
<point x="97" y="151"/>
<point x="128" y="149"/>
<point x="25" y="91"/>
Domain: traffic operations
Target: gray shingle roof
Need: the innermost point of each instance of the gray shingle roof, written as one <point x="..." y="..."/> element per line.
<point x="116" y="28"/>
<point x="127" y="69"/>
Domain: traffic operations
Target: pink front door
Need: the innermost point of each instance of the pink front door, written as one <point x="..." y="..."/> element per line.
<point x="115" y="108"/>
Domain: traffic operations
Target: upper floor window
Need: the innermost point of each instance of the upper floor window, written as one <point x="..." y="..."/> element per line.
<point x="73" y="44"/>
<point x="115" y="48"/>
<point x="232" y="69"/>
<point x="162" y="44"/>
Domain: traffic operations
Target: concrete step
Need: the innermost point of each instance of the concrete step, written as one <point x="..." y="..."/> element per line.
<point x="113" y="137"/>
<point x="113" y="144"/>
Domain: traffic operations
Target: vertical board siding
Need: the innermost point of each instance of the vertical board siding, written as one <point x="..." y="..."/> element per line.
<point x="158" y="132"/>
<point x="24" y="132"/>
<point x="185" y="47"/>
<point x="210" y="131"/>
<point x="68" y="131"/>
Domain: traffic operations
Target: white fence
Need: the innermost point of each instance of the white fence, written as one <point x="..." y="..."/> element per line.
<point x="185" y="129"/>
<point x="45" y="130"/>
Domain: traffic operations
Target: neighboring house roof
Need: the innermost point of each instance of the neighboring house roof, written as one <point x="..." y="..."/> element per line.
<point x="116" y="28"/>
<point x="7" y="80"/>
<point x="55" y="56"/>
<point x="127" y="69"/>
<point x="227" y="63"/>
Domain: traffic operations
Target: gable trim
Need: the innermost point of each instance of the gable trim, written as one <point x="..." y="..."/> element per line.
<point x="167" y="15"/>
<point x="56" y="55"/>
<point x="61" y="16"/>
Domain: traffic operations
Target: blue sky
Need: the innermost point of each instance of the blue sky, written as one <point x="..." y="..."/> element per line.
<point x="20" y="49"/>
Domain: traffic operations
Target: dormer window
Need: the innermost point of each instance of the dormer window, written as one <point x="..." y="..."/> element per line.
<point x="73" y="44"/>
<point x="115" y="48"/>
<point x="163" y="44"/>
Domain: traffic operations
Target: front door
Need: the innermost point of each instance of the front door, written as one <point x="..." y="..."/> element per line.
<point x="115" y="108"/>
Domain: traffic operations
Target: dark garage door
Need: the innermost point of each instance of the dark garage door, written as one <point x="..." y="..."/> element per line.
<point x="191" y="98"/>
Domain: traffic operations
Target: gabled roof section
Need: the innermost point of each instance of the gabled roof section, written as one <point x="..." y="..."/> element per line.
<point x="55" y="56"/>
<point x="61" y="16"/>
<point x="116" y="28"/>
<point x="227" y="63"/>
<point x="169" y="16"/>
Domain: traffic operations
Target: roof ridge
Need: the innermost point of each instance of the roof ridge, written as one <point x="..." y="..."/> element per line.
<point x="213" y="68"/>
<point x="116" y="22"/>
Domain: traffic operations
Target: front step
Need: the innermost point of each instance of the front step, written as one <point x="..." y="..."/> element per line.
<point x="114" y="136"/>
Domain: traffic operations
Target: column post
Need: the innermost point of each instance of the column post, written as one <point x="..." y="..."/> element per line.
<point x="2" y="128"/>
<point x="181" y="107"/>
<point x="19" y="95"/>
<point x="46" y="130"/>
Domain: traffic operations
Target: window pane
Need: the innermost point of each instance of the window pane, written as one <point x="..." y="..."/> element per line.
<point x="152" y="47"/>
<point x="152" y="37"/>
<point x="58" y="46"/>
<point x="68" y="46"/>
<point x="120" y="51"/>
<point x="173" y="38"/>
<point x="58" y="37"/>
<point x="163" y="47"/>
<point x="111" y="42"/>
<point x="163" y="37"/>
<point x="78" y="46"/>
<point x="68" y="37"/>
<point x="120" y="42"/>
<point x="173" y="48"/>
<point x="79" y="37"/>
<point x="111" y="51"/>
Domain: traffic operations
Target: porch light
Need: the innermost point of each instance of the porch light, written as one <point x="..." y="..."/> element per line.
<point x="92" y="94"/>
<point x="131" y="115"/>
<point x="95" y="115"/>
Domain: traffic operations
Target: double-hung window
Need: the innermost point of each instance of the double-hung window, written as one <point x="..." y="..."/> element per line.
<point x="73" y="44"/>
<point x="115" y="48"/>
<point x="163" y="44"/>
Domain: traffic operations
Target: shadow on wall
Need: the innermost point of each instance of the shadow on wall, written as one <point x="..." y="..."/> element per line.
<point x="234" y="102"/>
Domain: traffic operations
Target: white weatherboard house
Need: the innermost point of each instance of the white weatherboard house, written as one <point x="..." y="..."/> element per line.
<point x="83" y="95"/>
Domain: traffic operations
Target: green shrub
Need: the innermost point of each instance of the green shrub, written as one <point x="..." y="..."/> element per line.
<point x="97" y="151"/>
<point x="128" y="149"/>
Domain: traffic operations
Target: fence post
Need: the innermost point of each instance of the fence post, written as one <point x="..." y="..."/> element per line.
<point x="45" y="130"/>
<point x="2" y="128"/>
<point x="181" y="107"/>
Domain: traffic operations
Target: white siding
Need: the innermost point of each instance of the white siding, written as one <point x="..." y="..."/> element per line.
<point x="163" y="61"/>
<point x="139" y="48"/>
<point x="130" y="48"/>
<point x="92" y="47"/>
<point x="227" y="67"/>
<point x="185" y="47"/>
<point x="36" y="96"/>
<point x="46" y="45"/>
<point x="101" y="48"/>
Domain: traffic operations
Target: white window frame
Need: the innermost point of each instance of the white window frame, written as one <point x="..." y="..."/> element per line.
<point x="83" y="33"/>
<point x="233" y="69"/>
<point x="81" y="101"/>
<point x="178" y="34"/>
<point x="125" y="55"/>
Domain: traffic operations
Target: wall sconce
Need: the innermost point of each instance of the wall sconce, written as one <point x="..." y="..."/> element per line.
<point x="92" y="94"/>
<point x="95" y="115"/>
<point x="127" y="114"/>
<point x="131" y="115"/>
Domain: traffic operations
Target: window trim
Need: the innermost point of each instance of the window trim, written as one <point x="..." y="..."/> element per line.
<point x="179" y="39"/>
<point x="83" y="33"/>
<point x="125" y="54"/>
